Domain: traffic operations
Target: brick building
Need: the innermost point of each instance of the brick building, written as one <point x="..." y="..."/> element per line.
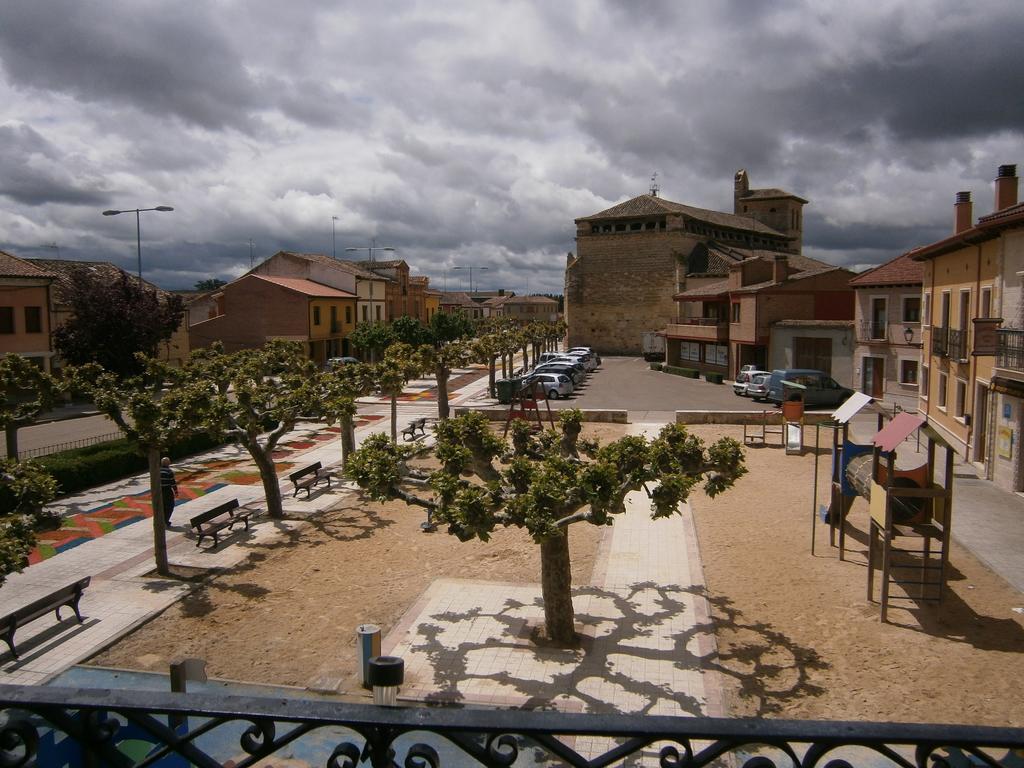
<point x="633" y="258"/>
<point x="24" y="310"/>
<point x="255" y="309"/>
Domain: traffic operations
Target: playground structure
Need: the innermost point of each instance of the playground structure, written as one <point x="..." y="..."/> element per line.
<point x="526" y="393"/>
<point x="910" y="509"/>
<point x="787" y="424"/>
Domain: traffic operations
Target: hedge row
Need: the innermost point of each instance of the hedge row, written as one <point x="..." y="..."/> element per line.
<point x="690" y="373"/>
<point x="82" y="468"/>
<point x="657" y="366"/>
<point x="714" y="378"/>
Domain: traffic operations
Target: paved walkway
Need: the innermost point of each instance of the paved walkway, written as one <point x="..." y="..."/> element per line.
<point x="643" y="620"/>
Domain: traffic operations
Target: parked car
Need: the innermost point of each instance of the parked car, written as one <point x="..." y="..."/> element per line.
<point x="757" y="387"/>
<point x="591" y="350"/>
<point x="336" y="362"/>
<point x="576" y="376"/>
<point x="563" y="360"/>
<point x="555" y="384"/>
<point x="587" y="359"/>
<point x="820" y="389"/>
<point x="743" y="378"/>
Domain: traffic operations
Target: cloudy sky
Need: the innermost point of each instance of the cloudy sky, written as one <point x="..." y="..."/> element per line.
<point x="473" y="133"/>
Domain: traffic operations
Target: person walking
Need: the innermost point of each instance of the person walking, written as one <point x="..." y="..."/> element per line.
<point x="168" y="488"/>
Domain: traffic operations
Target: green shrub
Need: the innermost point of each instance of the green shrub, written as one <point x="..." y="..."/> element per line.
<point x="676" y="370"/>
<point x="657" y="366"/>
<point x="714" y="378"/>
<point x="93" y="465"/>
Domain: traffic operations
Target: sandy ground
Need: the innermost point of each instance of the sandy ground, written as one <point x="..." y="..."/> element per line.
<point x="796" y="635"/>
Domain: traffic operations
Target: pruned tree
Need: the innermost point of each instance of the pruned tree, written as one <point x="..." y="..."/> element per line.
<point x="112" y="321"/>
<point x="544" y="486"/>
<point x="341" y="387"/>
<point x="255" y="397"/>
<point x="154" y="409"/>
<point x="210" y="284"/>
<point x="24" y="488"/>
<point x="401" y="362"/>
<point x="371" y="339"/>
<point x="28" y="391"/>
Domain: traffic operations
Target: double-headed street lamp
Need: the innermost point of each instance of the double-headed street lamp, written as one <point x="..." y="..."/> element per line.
<point x="138" y="227"/>
<point x="470" y="274"/>
<point x="370" y="249"/>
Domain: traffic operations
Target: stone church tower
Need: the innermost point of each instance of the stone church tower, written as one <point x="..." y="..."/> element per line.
<point x="780" y="210"/>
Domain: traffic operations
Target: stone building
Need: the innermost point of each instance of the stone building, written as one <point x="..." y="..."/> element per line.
<point x="633" y="258"/>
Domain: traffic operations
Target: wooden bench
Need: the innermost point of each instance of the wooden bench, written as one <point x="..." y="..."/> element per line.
<point x="64" y="597"/>
<point x="409" y="432"/>
<point x="213" y="521"/>
<point x="307" y="477"/>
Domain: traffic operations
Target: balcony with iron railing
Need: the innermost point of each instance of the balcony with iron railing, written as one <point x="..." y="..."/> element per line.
<point x="1010" y="349"/>
<point x="956" y="348"/>
<point x="871" y="330"/>
<point x="73" y="726"/>
<point x="940" y="341"/>
<point x="699" y="328"/>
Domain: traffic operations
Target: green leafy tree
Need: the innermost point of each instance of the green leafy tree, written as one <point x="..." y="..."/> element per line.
<point x="401" y="362"/>
<point x="28" y="391"/>
<point x="24" y="489"/>
<point x="341" y="387"/>
<point x="545" y="487"/>
<point x="255" y="397"/>
<point x="154" y="409"/>
<point x="210" y="284"/>
<point x="411" y="331"/>
<point x="371" y="339"/>
<point x="113" y="321"/>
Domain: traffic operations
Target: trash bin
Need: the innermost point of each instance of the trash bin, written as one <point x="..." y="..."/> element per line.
<point x="505" y="388"/>
<point x="792" y="401"/>
<point x="367" y="647"/>
<point x="387" y="673"/>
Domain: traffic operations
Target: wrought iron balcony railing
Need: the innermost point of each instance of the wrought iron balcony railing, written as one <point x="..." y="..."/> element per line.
<point x="869" y="330"/>
<point x="70" y="726"/>
<point x="957" y="346"/>
<point x="1010" y="349"/>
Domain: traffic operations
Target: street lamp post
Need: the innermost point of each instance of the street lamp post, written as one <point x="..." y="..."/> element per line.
<point x="334" y="237"/>
<point x="470" y="274"/>
<point x="138" y="226"/>
<point x="370" y="249"/>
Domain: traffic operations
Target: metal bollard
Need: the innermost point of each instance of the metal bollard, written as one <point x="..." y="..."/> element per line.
<point x="367" y="646"/>
<point x="386" y="674"/>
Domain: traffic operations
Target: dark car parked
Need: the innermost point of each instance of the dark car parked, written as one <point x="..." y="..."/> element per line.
<point x="820" y="389"/>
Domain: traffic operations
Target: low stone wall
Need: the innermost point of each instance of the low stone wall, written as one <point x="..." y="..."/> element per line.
<point x="594" y="414"/>
<point x="743" y="417"/>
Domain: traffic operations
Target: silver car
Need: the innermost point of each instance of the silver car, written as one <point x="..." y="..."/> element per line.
<point x="555" y="385"/>
<point x="757" y="387"/>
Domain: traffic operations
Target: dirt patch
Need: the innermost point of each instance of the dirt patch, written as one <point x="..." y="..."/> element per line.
<point x="799" y="638"/>
<point x="796" y="635"/>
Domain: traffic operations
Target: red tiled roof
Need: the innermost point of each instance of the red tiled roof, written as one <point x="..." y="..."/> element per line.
<point x="12" y="266"/>
<point x="321" y="258"/>
<point x="902" y="270"/>
<point x="771" y="193"/>
<point x="307" y="287"/>
<point x="65" y="271"/>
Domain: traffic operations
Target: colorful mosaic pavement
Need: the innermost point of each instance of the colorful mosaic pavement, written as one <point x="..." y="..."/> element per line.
<point x="203" y="478"/>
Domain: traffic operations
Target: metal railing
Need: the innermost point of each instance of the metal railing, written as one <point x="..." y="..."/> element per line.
<point x="61" y="726"/>
<point x="940" y="343"/>
<point x="957" y="347"/>
<point x="1010" y="349"/>
<point x="46" y="450"/>
<point x="869" y="330"/>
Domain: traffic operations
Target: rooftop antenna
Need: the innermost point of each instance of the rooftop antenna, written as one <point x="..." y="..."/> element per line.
<point x="250" y="253"/>
<point x="655" y="188"/>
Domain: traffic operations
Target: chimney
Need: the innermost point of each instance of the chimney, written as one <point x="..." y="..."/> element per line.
<point x="963" y="213"/>
<point x="1006" y="187"/>
<point x="780" y="268"/>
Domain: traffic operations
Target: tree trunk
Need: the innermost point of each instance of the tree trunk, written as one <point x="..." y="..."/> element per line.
<point x="348" y="439"/>
<point x="11" y="433"/>
<point x="441" y="374"/>
<point x="159" y="528"/>
<point x="491" y="376"/>
<point x="504" y="365"/>
<point x="526" y="358"/>
<point x="394" y="418"/>
<point x="271" y="486"/>
<point x="556" y="588"/>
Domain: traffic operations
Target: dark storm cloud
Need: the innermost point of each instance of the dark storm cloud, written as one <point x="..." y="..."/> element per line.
<point x="33" y="172"/>
<point x="893" y="239"/>
<point x="166" y="59"/>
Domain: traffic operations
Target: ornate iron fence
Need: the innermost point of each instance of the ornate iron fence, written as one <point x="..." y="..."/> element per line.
<point x="71" y="727"/>
<point x="957" y="344"/>
<point x="1010" y="349"/>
